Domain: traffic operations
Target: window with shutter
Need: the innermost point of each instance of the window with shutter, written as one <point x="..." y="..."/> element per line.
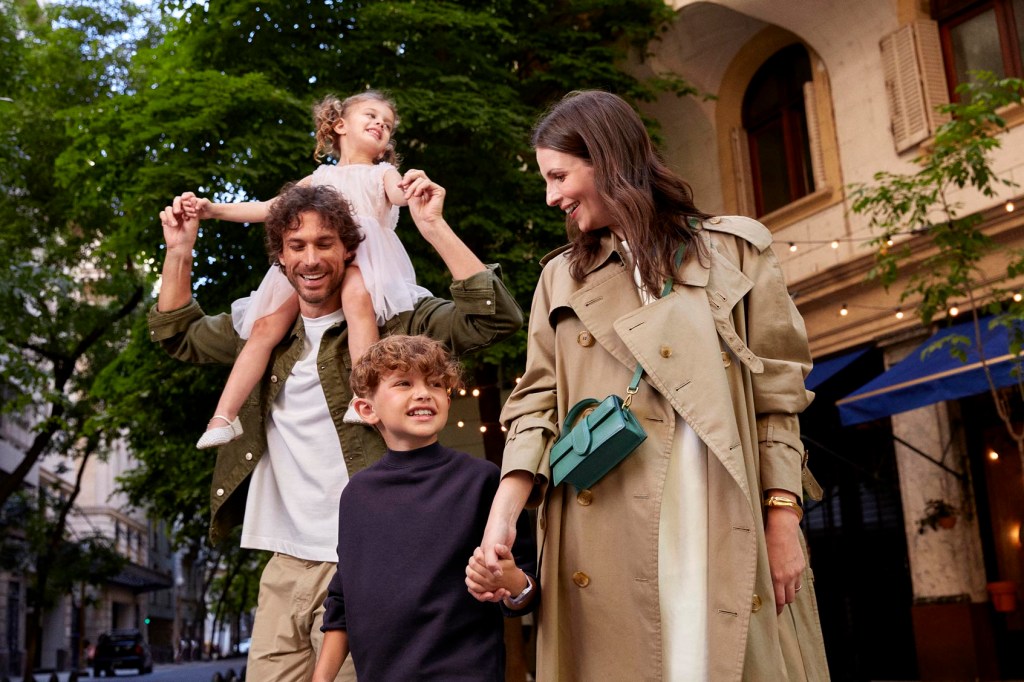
<point x="914" y="84"/>
<point x="980" y="36"/>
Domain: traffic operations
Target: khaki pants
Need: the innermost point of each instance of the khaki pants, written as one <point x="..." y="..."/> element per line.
<point x="286" y="637"/>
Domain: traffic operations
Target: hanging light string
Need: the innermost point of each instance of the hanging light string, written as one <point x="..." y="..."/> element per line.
<point x="953" y="310"/>
<point x="794" y="244"/>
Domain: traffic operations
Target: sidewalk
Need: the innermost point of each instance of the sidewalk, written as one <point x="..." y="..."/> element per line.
<point x="222" y="664"/>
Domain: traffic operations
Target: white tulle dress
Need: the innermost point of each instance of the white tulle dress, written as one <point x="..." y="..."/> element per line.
<point x="383" y="261"/>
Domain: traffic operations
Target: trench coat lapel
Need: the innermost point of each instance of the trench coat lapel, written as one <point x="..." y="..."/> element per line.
<point x="677" y="341"/>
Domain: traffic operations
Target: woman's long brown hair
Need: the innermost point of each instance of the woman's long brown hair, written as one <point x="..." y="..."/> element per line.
<point x="651" y="204"/>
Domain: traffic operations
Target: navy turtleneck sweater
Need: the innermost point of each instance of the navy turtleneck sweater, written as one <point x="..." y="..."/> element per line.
<point x="407" y="527"/>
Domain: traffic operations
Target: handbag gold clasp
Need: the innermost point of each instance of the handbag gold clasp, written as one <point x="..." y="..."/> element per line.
<point x="630" y="392"/>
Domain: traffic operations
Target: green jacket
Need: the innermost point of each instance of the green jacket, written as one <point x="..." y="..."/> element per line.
<point x="481" y="312"/>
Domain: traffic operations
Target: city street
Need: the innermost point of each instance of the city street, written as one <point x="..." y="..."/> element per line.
<point x="199" y="671"/>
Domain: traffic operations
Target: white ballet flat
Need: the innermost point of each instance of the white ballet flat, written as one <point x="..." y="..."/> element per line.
<point x="222" y="434"/>
<point x="351" y="416"/>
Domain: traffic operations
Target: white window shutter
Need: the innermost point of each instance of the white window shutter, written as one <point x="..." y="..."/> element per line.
<point x="742" y="174"/>
<point x="914" y="82"/>
<point x="933" y="72"/>
<point x="814" y="137"/>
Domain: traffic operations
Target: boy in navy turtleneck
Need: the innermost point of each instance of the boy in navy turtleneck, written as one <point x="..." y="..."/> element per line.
<point x="398" y="601"/>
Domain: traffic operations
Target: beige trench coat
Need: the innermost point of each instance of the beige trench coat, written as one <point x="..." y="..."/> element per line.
<point x="727" y="350"/>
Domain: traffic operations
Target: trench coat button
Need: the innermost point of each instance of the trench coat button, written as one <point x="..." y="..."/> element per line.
<point x="585" y="497"/>
<point x="585" y="339"/>
<point x="726" y="360"/>
<point x="755" y="604"/>
<point x="273" y="378"/>
<point x="220" y="492"/>
<point x="248" y="457"/>
<point x="715" y="220"/>
<point x="666" y="352"/>
<point x="581" y="579"/>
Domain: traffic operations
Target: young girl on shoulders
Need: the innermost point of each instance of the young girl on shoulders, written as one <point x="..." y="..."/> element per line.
<point x="378" y="285"/>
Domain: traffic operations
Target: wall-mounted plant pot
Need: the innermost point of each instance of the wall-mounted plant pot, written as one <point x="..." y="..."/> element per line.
<point x="1004" y="595"/>
<point x="947" y="522"/>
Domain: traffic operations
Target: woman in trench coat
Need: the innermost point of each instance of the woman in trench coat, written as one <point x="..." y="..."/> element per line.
<point x="672" y="566"/>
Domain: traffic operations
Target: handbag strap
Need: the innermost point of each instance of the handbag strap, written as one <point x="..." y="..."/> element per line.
<point x="634" y="385"/>
<point x="574" y="413"/>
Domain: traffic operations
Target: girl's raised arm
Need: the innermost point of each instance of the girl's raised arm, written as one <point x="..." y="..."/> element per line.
<point x="240" y="212"/>
<point x="393" y="187"/>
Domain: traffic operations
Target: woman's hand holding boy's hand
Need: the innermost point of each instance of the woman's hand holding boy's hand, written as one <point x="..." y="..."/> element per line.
<point x="487" y="585"/>
<point x="483" y="583"/>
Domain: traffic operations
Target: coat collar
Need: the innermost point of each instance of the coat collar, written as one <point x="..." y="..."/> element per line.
<point x="692" y="273"/>
<point x="678" y="339"/>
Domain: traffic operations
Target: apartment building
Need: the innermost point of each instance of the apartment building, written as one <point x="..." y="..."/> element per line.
<point x="810" y="98"/>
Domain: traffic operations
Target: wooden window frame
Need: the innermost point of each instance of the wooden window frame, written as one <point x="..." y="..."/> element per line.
<point x="1009" y="41"/>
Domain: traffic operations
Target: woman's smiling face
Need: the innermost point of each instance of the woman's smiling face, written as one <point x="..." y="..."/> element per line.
<point x="571" y="187"/>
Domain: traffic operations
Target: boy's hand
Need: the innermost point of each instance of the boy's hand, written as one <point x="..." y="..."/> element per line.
<point x="486" y="585"/>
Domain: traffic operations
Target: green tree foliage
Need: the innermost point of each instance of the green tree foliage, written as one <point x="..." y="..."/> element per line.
<point x="67" y="290"/>
<point x="923" y="204"/>
<point x="109" y="108"/>
<point x="216" y="98"/>
<point x="222" y="106"/>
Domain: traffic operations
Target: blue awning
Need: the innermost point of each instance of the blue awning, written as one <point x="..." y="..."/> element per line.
<point x="915" y="381"/>
<point x="826" y="369"/>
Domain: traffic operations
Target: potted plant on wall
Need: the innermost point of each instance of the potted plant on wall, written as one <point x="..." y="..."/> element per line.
<point x="938" y="513"/>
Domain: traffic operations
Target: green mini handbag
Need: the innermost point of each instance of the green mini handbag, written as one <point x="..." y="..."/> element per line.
<point x="608" y="432"/>
<point x="605" y="435"/>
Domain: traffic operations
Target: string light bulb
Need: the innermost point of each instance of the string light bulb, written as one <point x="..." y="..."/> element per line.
<point x="462" y="391"/>
<point x="460" y="423"/>
<point x="1017" y="298"/>
<point x="483" y="429"/>
<point x="899" y="314"/>
<point x="835" y="244"/>
<point x="792" y="247"/>
<point x="844" y="311"/>
<point x="953" y="311"/>
<point x="993" y="455"/>
<point x="476" y="392"/>
<point x="889" y="242"/>
<point x="1009" y="207"/>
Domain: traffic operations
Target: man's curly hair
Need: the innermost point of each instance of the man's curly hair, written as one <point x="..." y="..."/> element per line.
<point x="294" y="200"/>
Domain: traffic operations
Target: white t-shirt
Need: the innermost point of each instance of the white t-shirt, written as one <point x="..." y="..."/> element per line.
<point x="292" y="507"/>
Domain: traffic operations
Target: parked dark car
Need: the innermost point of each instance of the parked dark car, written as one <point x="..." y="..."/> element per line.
<point x="120" y="649"/>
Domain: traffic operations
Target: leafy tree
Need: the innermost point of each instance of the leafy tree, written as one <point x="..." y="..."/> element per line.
<point x="222" y="106"/>
<point x="109" y="111"/>
<point x="923" y="204"/>
<point x="68" y="290"/>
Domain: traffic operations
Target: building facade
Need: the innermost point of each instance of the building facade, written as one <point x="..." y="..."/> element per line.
<point x="809" y="99"/>
<point x="153" y="593"/>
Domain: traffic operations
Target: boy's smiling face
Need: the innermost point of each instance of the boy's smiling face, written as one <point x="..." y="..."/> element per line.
<point x="408" y="408"/>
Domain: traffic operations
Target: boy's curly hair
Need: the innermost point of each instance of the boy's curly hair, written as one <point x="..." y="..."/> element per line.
<point x="400" y="353"/>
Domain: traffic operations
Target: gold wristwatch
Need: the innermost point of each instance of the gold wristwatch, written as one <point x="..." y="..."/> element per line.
<point x="779" y="501"/>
